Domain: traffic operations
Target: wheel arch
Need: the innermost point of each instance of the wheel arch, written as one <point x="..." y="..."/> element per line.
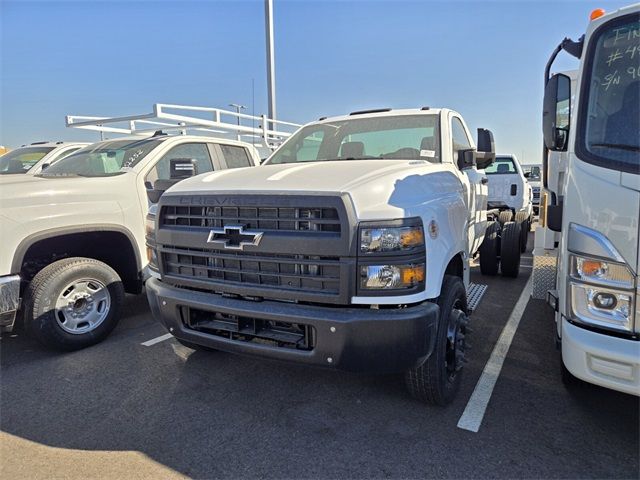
<point x="115" y="245"/>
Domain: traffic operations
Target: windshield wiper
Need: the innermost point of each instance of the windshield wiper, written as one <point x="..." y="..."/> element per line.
<point x="620" y="146"/>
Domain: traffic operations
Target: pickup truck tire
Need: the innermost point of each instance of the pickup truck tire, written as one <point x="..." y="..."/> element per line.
<point x="73" y="303"/>
<point x="525" y="225"/>
<point x="437" y="380"/>
<point x="489" y="250"/>
<point x="505" y="216"/>
<point x="510" y="249"/>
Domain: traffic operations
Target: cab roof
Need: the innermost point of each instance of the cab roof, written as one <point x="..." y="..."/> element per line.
<point x="383" y="112"/>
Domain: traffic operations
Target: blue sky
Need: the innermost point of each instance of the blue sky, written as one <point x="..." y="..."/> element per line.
<point x="484" y="59"/>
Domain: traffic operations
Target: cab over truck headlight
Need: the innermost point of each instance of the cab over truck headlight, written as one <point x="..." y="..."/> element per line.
<point x="601" y="293"/>
<point x="392" y="276"/>
<point x="150" y="237"/>
<point x="390" y="239"/>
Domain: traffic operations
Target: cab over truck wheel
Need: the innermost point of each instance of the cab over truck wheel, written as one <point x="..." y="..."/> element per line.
<point x="510" y="250"/>
<point x="489" y="259"/>
<point x="73" y="303"/>
<point x="505" y="216"/>
<point x="437" y="380"/>
<point x="525" y="225"/>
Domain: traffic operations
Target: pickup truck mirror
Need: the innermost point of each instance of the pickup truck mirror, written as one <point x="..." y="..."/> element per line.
<point x="527" y="174"/>
<point x="486" y="153"/>
<point x="556" y="111"/>
<point x="181" y="168"/>
<point x="45" y="166"/>
<point x="466" y="158"/>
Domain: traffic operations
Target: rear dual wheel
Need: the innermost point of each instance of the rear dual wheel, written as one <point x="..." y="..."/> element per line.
<point x="510" y="245"/>
<point x="524" y="221"/>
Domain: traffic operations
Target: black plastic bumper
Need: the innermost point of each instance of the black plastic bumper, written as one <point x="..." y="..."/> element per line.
<point x="354" y="339"/>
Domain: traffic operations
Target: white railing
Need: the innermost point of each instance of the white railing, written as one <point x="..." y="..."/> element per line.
<point x="182" y="118"/>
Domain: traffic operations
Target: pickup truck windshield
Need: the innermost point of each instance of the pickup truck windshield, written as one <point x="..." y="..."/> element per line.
<point x="102" y="159"/>
<point x="401" y="137"/>
<point x="502" y="166"/>
<point x="610" y="110"/>
<point x="22" y="159"/>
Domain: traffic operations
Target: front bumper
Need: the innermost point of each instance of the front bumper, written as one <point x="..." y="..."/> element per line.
<point x="600" y="359"/>
<point x="354" y="339"/>
<point x="9" y="300"/>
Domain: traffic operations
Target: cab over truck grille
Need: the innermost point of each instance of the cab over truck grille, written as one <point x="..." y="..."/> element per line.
<point x="256" y="218"/>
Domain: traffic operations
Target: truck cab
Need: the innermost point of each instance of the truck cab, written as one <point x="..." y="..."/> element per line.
<point x="348" y="248"/>
<point x="591" y="203"/>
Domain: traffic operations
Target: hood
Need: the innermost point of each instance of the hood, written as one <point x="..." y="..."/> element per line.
<point x="377" y="188"/>
<point x="32" y="197"/>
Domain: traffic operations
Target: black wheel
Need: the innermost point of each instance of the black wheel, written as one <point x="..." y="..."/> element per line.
<point x="505" y="216"/>
<point x="525" y="226"/>
<point x="194" y="346"/>
<point x="437" y="380"/>
<point x="489" y="262"/>
<point x="73" y="303"/>
<point x="510" y="249"/>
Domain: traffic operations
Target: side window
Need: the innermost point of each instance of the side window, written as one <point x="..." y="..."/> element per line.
<point x="460" y="139"/>
<point x="196" y="151"/>
<point x="234" y="156"/>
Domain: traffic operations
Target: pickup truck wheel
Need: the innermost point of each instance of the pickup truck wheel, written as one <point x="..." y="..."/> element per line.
<point x="73" y="303"/>
<point x="525" y="225"/>
<point x="510" y="250"/>
<point x="489" y="262"/>
<point x="437" y="380"/>
<point x="505" y="216"/>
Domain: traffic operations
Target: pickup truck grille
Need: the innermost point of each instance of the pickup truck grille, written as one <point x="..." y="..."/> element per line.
<point x="536" y="194"/>
<point x="302" y="253"/>
<point x="260" y="218"/>
<point x="290" y="272"/>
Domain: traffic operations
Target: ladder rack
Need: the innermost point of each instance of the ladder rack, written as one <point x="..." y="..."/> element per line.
<point x="249" y="128"/>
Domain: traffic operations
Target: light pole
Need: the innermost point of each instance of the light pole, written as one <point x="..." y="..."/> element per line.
<point x="271" y="62"/>
<point x="238" y="107"/>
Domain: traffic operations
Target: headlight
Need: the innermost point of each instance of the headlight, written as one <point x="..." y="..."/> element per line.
<point x="391" y="276"/>
<point x="602" y="272"/>
<point x="390" y="239"/>
<point x="601" y="293"/>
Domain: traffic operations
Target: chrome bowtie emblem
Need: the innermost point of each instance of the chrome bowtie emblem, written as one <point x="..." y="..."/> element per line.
<point x="234" y="237"/>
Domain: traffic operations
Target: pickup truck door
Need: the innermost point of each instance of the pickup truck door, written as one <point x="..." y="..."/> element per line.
<point x="475" y="184"/>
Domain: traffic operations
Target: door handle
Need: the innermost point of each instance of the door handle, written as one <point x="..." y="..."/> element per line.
<point x="484" y="180"/>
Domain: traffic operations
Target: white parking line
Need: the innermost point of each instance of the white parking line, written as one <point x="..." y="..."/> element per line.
<point x="474" y="412"/>
<point x="159" y="339"/>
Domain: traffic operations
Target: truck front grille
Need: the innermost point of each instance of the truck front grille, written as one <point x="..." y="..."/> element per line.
<point x="288" y="272"/>
<point x="295" y="336"/>
<point x="285" y="219"/>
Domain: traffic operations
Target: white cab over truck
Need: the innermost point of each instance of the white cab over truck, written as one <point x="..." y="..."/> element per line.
<point x="348" y="248"/>
<point x="586" y="254"/>
<point x="74" y="235"/>
<point x="31" y="159"/>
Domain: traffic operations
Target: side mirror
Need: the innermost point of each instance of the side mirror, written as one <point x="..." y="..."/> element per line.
<point x="527" y="174"/>
<point x="486" y="149"/>
<point x="181" y="168"/>
<point x="466" y="158"/>
<point x="556" y="112"/>
<point x="45" y="166"/>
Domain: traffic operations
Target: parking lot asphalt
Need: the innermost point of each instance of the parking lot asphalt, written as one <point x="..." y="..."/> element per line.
<point x="122" y="409"/>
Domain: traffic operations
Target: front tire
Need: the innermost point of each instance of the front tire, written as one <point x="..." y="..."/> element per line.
<point x="437" y="380"/>
<point x="73" y="303"/>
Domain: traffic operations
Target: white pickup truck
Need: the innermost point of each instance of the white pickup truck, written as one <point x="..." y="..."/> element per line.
<point x="348" y="248"/>
<point x="73" y="235"/>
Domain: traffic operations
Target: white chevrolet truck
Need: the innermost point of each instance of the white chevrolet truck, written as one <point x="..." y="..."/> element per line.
<point x="587" y="254"/>
<point x="348" y="248"/>
<point x="73" y="238"/>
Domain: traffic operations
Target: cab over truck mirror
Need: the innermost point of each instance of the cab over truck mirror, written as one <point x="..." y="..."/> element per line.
<point x="486" y="153"/>
<point x="467" y="158"/>
<point x="556" y="111"/>
<point x="179" y="169"/>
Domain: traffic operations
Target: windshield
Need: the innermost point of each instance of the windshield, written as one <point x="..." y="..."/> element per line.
<point x="103" y="159"/>
<point x="405" y="137"/>
<point x="611" y="122"/>
<point x="501" y="166"/>
<point x="21" y="160"/>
